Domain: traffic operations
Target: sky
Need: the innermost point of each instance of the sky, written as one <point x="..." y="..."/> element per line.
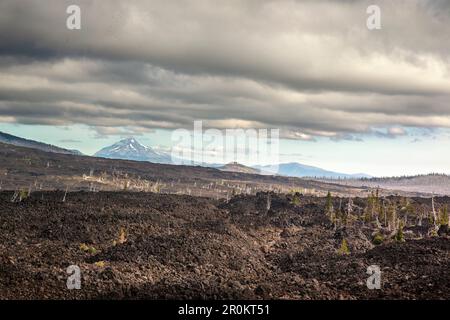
<point x="344" y="97"/>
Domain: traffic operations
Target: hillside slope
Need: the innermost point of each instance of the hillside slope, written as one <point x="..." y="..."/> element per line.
<point x="24" y="167"/>
<point x="438" y="184"/>
<point x="21" y="142"/>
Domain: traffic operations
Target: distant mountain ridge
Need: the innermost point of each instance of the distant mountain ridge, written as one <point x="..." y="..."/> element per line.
<point x="294" y="169"/>
<point x="438" y="184"/>
<point x="21" y="142"/>
<point x="131" y="149"/>
<point x="433" y="183"/>
<point x="237" y="167"/>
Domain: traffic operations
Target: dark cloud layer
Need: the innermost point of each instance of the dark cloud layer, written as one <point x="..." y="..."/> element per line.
<point x="311" y="68"/>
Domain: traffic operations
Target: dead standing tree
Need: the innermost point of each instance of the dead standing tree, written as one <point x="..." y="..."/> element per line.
<point x="15" y="196"/>
<point x="65" y="194"/>
<point x="434" y="212"/>
<point x="268" y="203"/>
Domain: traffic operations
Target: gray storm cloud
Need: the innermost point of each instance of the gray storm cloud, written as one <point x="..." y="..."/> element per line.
<point x="311" y="68"/>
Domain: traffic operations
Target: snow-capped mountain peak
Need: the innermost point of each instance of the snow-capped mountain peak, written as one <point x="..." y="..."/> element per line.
<point x="129" y="143"/>
<point x="131" y="149"/>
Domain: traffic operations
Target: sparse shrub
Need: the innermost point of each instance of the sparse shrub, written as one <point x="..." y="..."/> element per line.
<point x="382" y="213"/>
<point x="90" y="249"/>
<point x="329" y="204"/>
<point x="156" y="188"/>
<point x="334" y="219"/>
<point x="378" y="239"/>
<point x="443" y="217"/>
<point x="122" y="236"/>
<point x="344" y="250"/>
<point x="410" y="209"/>
<point x="399" y="236"/>
<point x="295" y="199"/>
<point x="343" y="217"/>
<point x="100" y="264"/>
<point x="367" y="218"/>
<point x="371" y="203"/>
<point x="19" y="195"/>
<point x="23" y="194"/>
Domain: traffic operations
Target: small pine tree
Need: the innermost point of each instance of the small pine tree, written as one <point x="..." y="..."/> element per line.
<point x="367" y="217"/>
<point x="329" y="204"/>
<point x="410" y="209"/>
<point x="371" y="204"/>
<point x="23" y="194"/>
<point x="344" y="250"/>
<point x="295" y="199"/>
<point x="378" y="239"/>
<point x="381" y="213"/>
<point x="334" y="220"/>
<point x="399" y="236"/>
<point x="444" y="219"/>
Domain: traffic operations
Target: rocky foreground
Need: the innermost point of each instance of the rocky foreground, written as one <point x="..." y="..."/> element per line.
<point x="157" y="246"/>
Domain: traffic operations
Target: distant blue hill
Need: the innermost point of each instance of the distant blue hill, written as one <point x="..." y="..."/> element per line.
<point x="295" y="169"/>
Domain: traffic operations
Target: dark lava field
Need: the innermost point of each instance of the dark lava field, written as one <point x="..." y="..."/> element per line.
<point x="141" y="245"/>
